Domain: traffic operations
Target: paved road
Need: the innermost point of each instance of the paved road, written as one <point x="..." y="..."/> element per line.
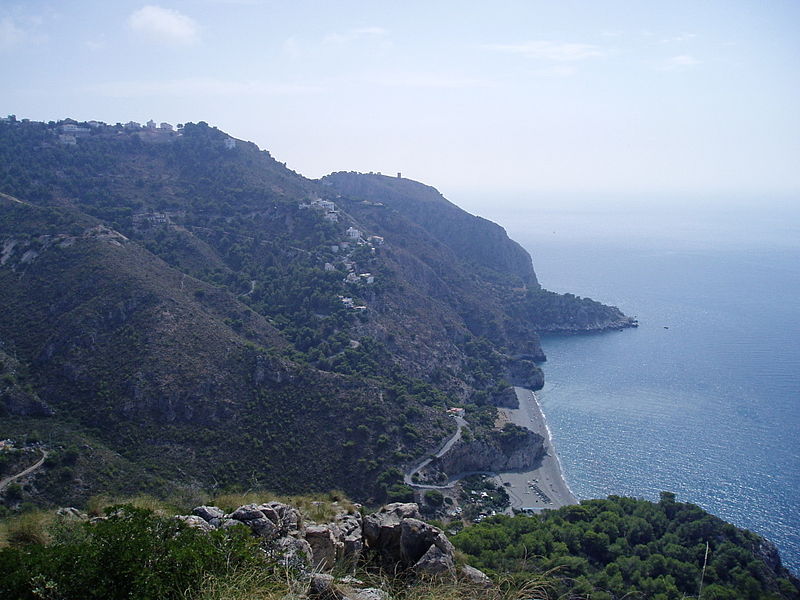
<point x="445" y="447"/>
<point x="4" y="483"/>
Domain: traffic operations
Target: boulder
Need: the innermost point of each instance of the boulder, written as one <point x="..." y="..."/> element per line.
<point x="263" y="528"/>
<point x="208" y="512"/>
<point x="322" y="587"/>
<point x="367" y="594"/>
<point x="325" y="547"/>
<point x="71" y="513"/>
<point x="288" y="518"/>
<point x="435" y="562"/>
<point x="270" y="513"/>
<point x="248" y="512"/>
<point x="399" y="538"/>
<point x="475" y="576"/>
<point x="195" y="522"/>
<point x="415" y="538"/>
<point x="292" y="552"/>
<point x="224" y="523"/>
<point x="381" y="530"/>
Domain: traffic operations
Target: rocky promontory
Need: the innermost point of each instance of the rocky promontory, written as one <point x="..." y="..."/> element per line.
<point x="512" y="448"/>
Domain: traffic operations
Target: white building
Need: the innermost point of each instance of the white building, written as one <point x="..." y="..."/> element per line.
<point x="353" y="233"/>
<point x="230" y="143"/>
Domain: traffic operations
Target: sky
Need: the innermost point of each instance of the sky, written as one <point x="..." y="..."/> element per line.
<point x="603" y="99"/>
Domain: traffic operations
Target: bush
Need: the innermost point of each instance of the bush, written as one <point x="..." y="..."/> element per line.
<point x="434" y="497"/>
<point x="131" y="554"/>
<point x="14" y="492"/>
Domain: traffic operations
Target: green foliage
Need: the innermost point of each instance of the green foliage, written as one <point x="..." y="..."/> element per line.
<point x="400" y="492"/>
<point x="132" y="554"/>
<point x="434" y="497"/>
<point x="610" y="548"/>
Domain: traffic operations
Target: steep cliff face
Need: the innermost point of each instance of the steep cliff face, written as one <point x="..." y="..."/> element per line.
<point x="510" y="449"/>
<point x="473" y="239"/>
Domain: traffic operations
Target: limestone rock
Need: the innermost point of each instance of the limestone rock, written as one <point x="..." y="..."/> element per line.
<point x="382" y="528"/>
<point x="322" y="587"/>
<point x="367" y="594"/>
<point x="72" y="514"/>
<point x="248" y="512"/>
<point x="475" y="576"/>
<point x="195" y="522"/>
<point x="208" y="512"/>
<point x="435" y="562"/>
<point x="325" y="547"/>
<point x="399" y="537"/>
<point x="263" y="527"/>
<point x="292" y="552"/>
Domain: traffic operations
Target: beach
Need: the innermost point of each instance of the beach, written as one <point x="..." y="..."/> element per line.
<point x="544" y="486"/>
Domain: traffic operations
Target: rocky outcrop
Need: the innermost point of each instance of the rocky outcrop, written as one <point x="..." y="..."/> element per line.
<point x="510" y="449"/>
<point x="526" y="374"/>
<point x="397" y="537"/>
<point x="506" y="398"/>
<point x="394" y="538"/>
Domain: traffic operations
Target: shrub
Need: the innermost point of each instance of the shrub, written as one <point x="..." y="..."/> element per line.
<point x="434" y="497"/>
<point x="131" y="554"/>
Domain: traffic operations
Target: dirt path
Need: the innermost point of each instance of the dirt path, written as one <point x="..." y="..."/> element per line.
<point x="4" y="483"/>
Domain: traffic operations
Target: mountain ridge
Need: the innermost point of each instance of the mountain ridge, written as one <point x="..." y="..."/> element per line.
<point x="195" y="307"/>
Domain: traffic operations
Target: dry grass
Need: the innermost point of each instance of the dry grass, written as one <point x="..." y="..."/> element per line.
<point x="97" y="505"/>
<point x="27" y="528"/>
<point x="285" y="585"/>
<point x="319" y="508"/>
<point x="253" y="585"/>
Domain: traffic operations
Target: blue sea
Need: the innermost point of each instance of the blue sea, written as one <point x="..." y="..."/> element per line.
<point x="703" y="399"/>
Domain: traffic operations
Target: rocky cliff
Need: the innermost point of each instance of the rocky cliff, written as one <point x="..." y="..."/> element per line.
<point x="510" y="449"/>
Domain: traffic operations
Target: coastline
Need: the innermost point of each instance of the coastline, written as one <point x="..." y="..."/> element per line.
<point x="544" y="486"/>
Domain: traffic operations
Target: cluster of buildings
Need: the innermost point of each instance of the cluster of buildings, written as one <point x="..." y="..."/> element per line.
<point x="353" y="238"/>
<point x="350" y="303"/>
<point x="70" y="131"/>
<point x="327" y="207"/>
<point x="151" y="219"/>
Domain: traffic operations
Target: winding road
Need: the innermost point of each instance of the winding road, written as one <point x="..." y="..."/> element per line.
<point x="4" y="483"/>
<point x="442" y="450"/>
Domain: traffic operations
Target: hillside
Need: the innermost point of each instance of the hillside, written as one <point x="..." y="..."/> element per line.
<point x="183" y="310"/>
<point x="326" y="548"/>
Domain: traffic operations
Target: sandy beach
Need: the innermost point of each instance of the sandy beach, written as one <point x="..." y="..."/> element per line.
<point x="544" y="486"/>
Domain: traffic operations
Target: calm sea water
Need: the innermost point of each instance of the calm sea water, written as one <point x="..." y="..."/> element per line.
<point x="703" y="399"/>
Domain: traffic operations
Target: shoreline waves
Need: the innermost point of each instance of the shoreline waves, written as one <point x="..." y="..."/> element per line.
<point x="544" y="486"/>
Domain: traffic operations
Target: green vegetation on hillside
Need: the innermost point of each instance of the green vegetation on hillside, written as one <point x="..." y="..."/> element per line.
<point x="606" y="549"/>
<point x="189" y="312"/>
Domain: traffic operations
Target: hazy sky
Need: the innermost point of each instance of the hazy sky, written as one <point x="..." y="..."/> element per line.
<point x="594" y="97"/>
